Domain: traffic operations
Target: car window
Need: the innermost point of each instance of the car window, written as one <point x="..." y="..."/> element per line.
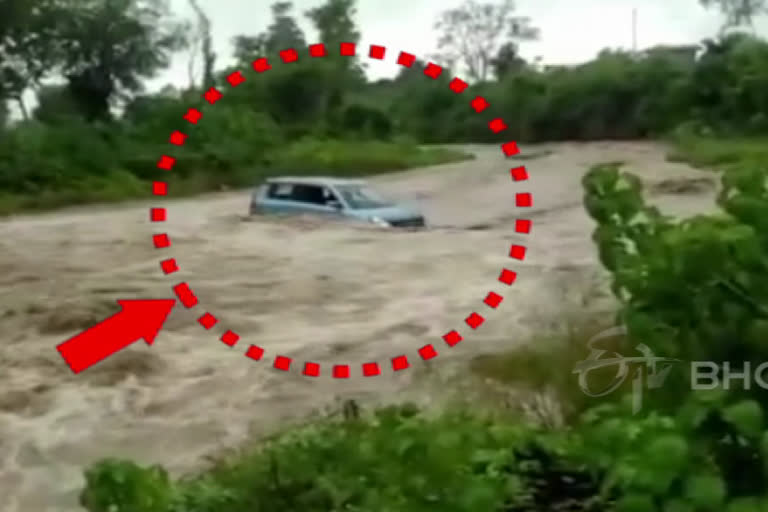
<point x="362" y="197"/>
<point x="312" y="194"/>
<point x="282" y="191"/>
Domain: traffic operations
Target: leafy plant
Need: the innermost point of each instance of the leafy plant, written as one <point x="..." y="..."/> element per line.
<point x="695" y="290"/>
<point x="122" y="486"/>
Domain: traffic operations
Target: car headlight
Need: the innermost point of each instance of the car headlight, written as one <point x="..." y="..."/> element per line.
<point x="380" y="222"/>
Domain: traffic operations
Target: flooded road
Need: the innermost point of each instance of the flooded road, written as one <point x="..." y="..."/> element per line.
<point x="326" y="293"/>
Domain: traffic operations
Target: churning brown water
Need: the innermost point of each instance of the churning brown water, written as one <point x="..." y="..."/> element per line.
<point x="303" y="289"/>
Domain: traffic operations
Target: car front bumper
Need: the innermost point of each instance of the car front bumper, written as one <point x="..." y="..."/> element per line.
<point x="413" y="222"/>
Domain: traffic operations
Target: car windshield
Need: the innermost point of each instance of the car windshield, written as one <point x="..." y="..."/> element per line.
<point x="362" y="198"/>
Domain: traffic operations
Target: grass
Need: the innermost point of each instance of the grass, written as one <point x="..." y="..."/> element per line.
<point x="719" y="153"/>
<point x="308" y="157"/>
<point x="547" y="364"/>
<point x="116" y="186"/>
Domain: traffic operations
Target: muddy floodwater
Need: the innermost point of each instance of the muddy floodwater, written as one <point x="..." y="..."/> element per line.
<point x="311" y="291"/>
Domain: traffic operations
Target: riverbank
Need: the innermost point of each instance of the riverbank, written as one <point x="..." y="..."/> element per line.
<point x="306" y="157"/>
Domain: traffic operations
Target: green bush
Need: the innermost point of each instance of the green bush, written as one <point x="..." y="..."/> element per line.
<point x="398" y="459"/>
<point x="34" y="156"/>
<point x="47" y="166"/>
<point x="695" y="290"/>
<point x="124" y="486"/>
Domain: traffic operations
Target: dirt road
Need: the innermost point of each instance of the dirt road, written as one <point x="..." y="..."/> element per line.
<point x="326" y="293"/>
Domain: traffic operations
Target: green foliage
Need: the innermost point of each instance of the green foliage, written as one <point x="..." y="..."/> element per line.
<point x="34" y="156"/>
<point x="616" y="96"/>
<point x="75" y="152"/>
<point x="55" y="104"/>
<point x="27" y="43"/>
<point x="693" y="289"/>
<point x="117" y="486"/>
<point x="698" y="280"/>
<point x="335" y="22"/>
<point x="367" y="121"/>
<point x="70" y="161"/>
<point x="455" y="462"/>
<point x="738" y="13"/>
<point x="731" y="83"/>
<point x="109" y="46"/>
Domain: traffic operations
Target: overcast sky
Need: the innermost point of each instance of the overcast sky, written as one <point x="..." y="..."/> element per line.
<point x="572" y="31"/>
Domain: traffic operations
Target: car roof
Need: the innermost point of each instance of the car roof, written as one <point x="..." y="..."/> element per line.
<point x="314" y="180"/>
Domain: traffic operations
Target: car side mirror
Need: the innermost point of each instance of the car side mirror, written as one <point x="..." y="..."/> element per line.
<point x="335" y="205"/>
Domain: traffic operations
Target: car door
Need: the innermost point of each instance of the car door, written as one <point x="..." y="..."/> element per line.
<point x="298" y="198"/>
<point x="316" y="200"/>
<point x="278" y="199"/>
<point x="334" y="205"/>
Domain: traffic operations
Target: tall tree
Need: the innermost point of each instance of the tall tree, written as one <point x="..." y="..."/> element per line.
<point x="55" y="103"/>
<point x="738" y="13"/>
<point x="335" y="22"/>
<point x="204" y="40"/>
<point x="247" y="48"/>
<point x="109" y="46"/>
<point x="3" y="114"/>
<point x="27" y="45"/>
<point x="283" y="33"/>
<point x="507" y="60"/>
<point x="473" y="33"/>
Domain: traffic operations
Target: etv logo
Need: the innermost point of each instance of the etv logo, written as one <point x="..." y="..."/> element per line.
<point x="649" y="371"/>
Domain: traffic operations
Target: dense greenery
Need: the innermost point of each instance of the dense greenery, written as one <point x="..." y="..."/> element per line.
<point x="694" y="290"/>
<point x="455" y="462"/>
<point x="96" y="134"/>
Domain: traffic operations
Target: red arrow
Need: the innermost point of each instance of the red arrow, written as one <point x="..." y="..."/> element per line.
<point x="137" y="319"/>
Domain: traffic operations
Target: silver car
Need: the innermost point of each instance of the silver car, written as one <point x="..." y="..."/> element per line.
<point x="333" y="197"/>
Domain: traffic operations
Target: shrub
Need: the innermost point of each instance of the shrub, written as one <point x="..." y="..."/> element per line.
<point x="695" y="290"/>
<point x="455" y="461"/>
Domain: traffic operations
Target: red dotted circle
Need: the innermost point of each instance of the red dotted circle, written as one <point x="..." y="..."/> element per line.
<point x="340" y="371"/>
